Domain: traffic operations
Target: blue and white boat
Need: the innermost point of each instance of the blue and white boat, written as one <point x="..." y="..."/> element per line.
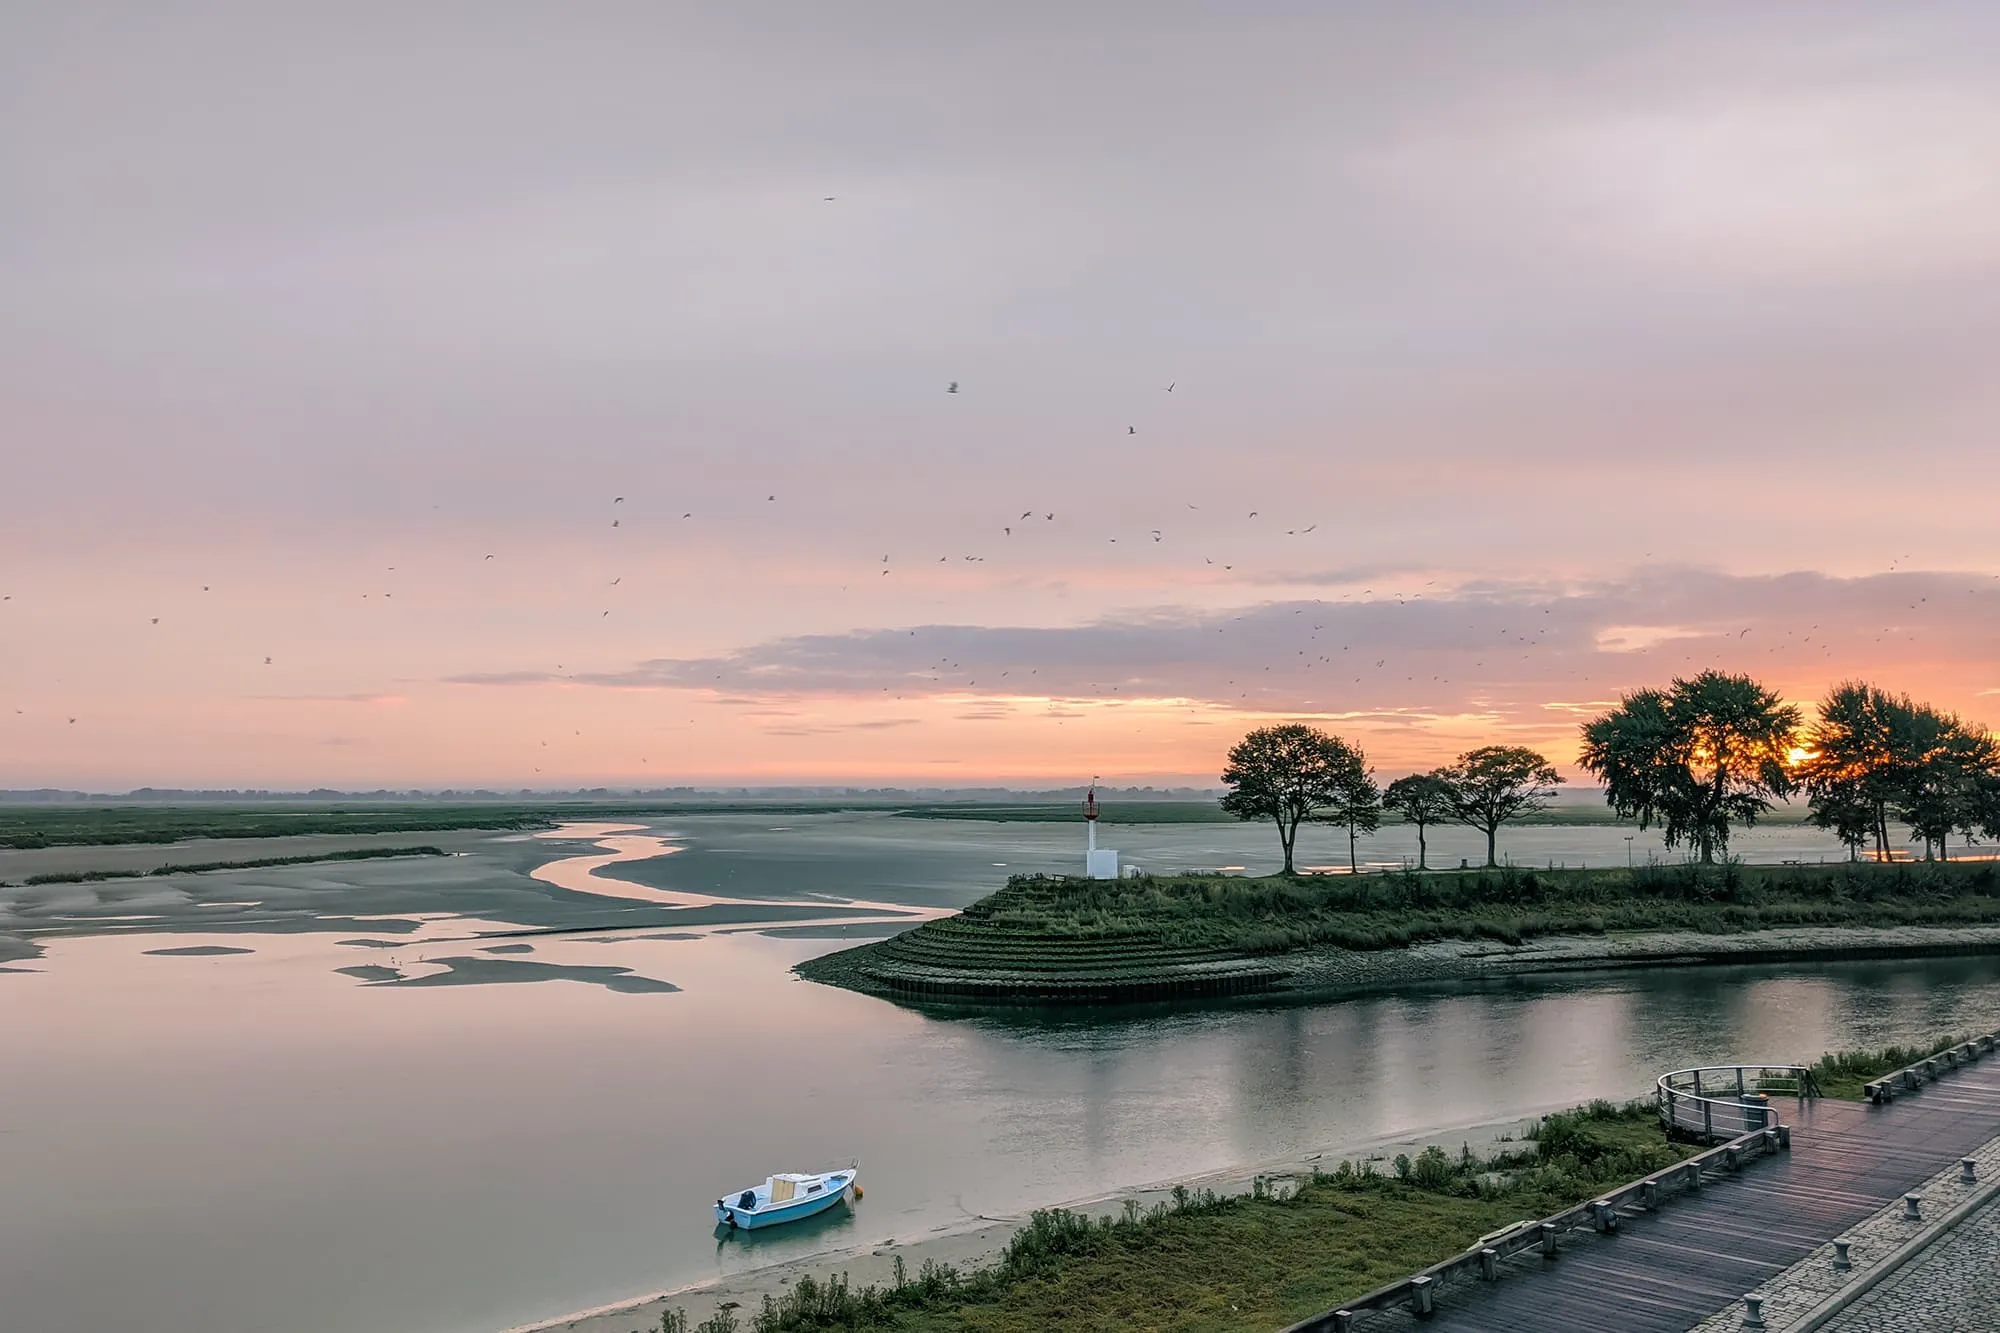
<point x="787" y="1197"/>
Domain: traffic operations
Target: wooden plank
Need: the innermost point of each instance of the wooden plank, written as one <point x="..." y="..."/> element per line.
<point x="1667" y="1270"/>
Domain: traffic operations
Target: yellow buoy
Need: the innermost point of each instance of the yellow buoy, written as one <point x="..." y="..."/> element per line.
<point x="857" y="1191"/>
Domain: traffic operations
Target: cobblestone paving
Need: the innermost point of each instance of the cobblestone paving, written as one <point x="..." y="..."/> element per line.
<point x="1789" y="1295"/>
<point x="1952" y="1287"/>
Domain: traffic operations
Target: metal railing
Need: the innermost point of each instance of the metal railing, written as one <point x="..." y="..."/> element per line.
<point x="1911" y="1077"/>
<point x="1718" y="1102"/>
<point x="1418" y="1292"/>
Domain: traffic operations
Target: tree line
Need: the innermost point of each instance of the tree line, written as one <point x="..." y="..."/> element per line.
<point x="1695" y="759"/>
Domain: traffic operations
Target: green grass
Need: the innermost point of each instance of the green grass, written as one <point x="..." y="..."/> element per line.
<point x="255" y="863"/>
<point x="1252" y="1262"/>
<point x="1844" y="1073"/>
<point x="1041" y="932"/>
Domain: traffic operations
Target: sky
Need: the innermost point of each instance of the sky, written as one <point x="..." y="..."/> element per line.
<point x="531" y="395"/>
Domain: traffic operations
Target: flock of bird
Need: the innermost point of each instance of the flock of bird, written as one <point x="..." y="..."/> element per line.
<point x="1518" y="642"/>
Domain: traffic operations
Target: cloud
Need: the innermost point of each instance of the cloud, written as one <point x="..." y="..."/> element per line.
<point x="1499" y="653"/>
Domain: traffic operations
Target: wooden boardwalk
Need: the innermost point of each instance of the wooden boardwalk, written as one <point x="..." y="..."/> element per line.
<point x="1665" y="1271"/>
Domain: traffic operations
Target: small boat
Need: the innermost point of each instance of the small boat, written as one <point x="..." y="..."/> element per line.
<point x="787" y="1197"/>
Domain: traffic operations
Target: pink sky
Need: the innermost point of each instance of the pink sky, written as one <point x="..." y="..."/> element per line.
<point x="1550" y="358"/>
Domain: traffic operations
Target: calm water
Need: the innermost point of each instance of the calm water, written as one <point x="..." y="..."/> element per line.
<point x="256" y="1141"/>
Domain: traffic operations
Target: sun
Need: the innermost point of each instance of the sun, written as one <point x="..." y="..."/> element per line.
<point x="1798" y="755"/>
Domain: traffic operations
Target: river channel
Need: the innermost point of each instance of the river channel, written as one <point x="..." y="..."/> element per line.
<point x="332" y="1129"/>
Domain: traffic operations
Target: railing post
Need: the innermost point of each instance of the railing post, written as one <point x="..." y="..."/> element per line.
<point x="1343" y="1321"/>
<point x="1708" y="1118"/>
<point x="1739" y="1081"/>
<point x="1649" y="1193"/>
<point x="1421" y="1295"/>
<point x="1694" y="1175"/>
<point x="1604" y="1216"/>
<point x="1489" y="1265"/>
<point x="1548" y="1240"/>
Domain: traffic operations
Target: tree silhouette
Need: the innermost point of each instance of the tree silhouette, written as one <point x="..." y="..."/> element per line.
<point x="1496" y="783"/>
<point x="1695" y="758"/>
<point x="1422" y="799"/>
<point x="1289" y="774"/>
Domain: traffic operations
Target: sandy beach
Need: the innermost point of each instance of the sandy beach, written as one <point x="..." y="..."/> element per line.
<point x="981" y="1243"/>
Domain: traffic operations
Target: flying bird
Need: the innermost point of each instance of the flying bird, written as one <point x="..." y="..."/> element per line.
<point x="952" y="387"/>
<point x="156" y="620"/>
<point x="267" y="661"/>
<point x="618" y="499"/>
<point x="1170" y="387"/>
<point x="1131" y="430"/>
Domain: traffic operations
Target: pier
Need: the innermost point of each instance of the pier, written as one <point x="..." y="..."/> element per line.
<point x="1754" y="1217"/>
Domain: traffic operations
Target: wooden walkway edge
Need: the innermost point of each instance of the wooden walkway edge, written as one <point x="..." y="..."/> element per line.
<point x="1665" y="1270"/>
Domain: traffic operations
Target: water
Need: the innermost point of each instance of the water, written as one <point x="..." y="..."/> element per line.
<point x="249" y="1142"/>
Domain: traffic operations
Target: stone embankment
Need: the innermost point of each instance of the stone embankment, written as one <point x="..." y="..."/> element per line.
<point x="975" y="959"/>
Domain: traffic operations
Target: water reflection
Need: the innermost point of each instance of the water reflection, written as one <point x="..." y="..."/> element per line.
<point x="202" y="1145"/>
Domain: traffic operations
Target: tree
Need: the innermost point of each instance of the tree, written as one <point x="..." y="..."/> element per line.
<point x="1497" y="783"/>
<point x="1873" y="754"/>
<point x="1942" y="770"/>
<point x="1289" y="774"/>
<point x="1422" y="799"/>
<point x="1358" y="806"/>
<point x="1695" y="758"/>
<point x="1849" y="771"/>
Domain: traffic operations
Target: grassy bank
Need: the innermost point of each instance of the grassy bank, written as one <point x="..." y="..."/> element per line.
<point x="1250" y="1262"/>
<point x="255" y="863"/>
<point x="1844" y="1073"/>
<point x="1189" y="935"/>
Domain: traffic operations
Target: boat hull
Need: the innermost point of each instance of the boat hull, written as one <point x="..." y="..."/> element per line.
<point x="765" y="1214"/>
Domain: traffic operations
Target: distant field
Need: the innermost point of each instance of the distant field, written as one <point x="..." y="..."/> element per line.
<point x="48" y="825"/>
<point x="1209" y="812"/>
<point x="1132" y="812"/>
<point x="73" y="826"/>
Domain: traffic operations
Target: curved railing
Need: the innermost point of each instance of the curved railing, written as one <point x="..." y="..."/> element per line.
<point x="1717" y="1102"/>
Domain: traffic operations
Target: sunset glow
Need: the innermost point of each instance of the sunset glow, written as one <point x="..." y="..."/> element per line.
<point x="426" y="456"/>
